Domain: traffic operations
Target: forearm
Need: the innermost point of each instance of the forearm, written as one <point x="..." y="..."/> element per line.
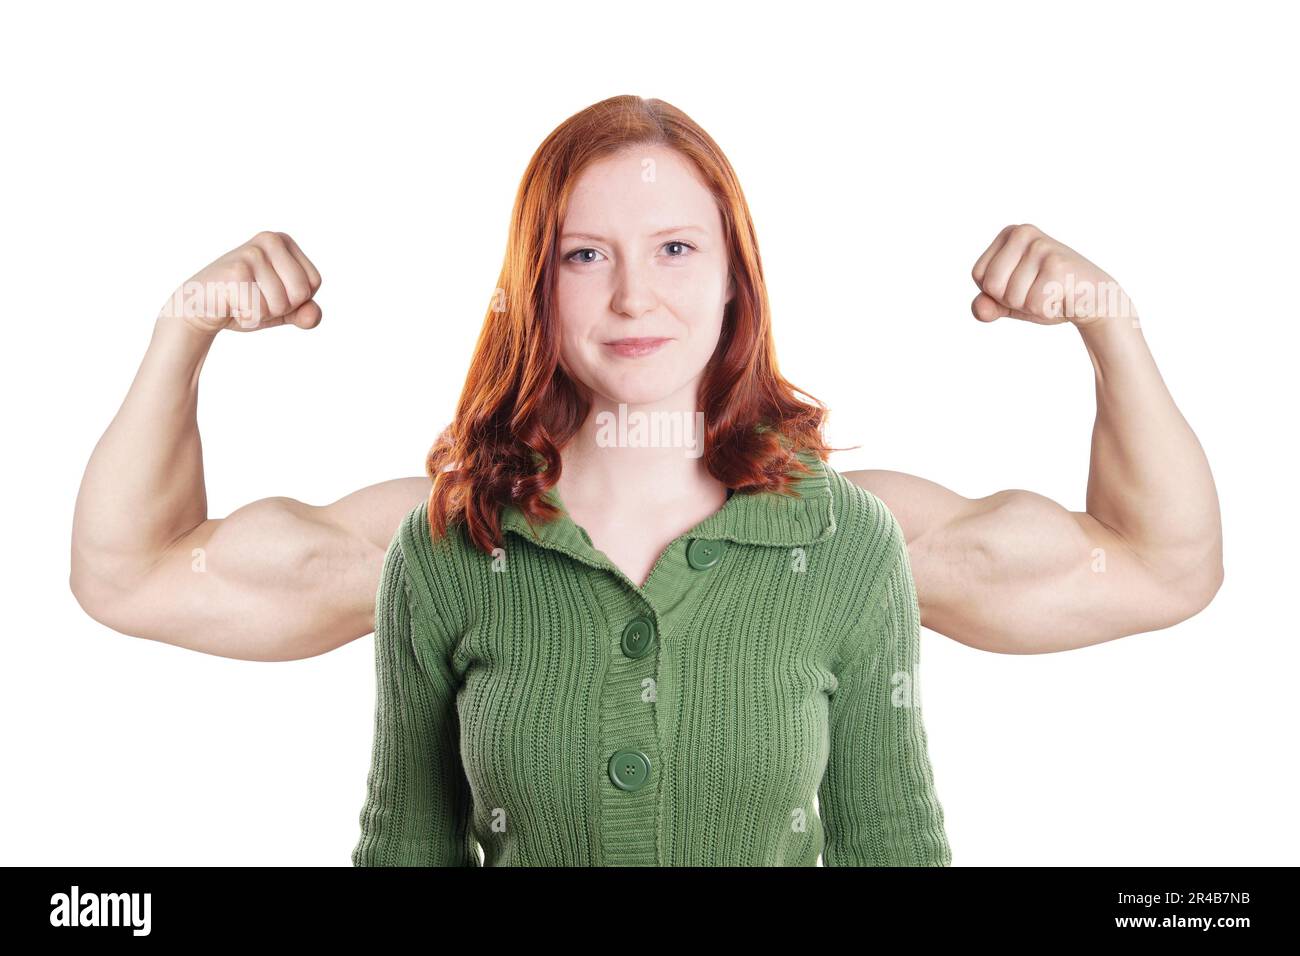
<point x="1149" y="480"/>
<point x="143" y="485"/>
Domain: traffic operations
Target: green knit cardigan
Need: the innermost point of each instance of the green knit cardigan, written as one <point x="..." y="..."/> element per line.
<point x="755" y="703"/>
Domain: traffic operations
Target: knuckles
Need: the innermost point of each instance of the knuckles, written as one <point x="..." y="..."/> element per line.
<point x="267" y="237"/>
<point x="1053" y="261"/>
<point x="240" y="267"/>
<point x="240" y="270"/>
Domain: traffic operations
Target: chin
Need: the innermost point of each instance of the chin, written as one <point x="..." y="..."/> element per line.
<point x="645" y="389"/>
<point x="641" y="395"/>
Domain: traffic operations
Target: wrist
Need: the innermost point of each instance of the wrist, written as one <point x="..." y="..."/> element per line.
<point x="179" y="348"/>
<point x="1107" y="308"/>
<point x="1108" y="328"/>
<point x="181" y="329"/>
<point x="1113" y="342"/>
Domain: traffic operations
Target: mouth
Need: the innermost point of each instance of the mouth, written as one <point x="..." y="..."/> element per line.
<point x="632" y="348"/>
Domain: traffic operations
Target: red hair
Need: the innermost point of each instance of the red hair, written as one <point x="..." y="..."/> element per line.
<point x="518" y="407"/>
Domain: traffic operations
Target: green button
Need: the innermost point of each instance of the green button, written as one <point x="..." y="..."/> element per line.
<point x="702" y="554"/>
<point x="638" y="637"/>
<point x="629" y="769"/>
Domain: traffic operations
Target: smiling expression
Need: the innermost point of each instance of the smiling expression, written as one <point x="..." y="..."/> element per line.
<point x="642" y="281"/>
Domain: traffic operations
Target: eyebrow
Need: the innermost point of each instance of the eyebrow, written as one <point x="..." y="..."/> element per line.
<point x="653" y="235"/>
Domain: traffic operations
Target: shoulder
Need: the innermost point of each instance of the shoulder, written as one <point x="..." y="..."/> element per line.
<point x="862" y="516"/>
<point x="868" y="535"/>
<point x="438" y="570"/>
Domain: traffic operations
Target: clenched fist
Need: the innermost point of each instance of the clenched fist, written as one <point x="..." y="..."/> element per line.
<point x="1026" y="274"/>
<point x="267" y="281"/>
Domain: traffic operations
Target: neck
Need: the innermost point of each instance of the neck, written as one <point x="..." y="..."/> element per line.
<point x="638" y="457"/>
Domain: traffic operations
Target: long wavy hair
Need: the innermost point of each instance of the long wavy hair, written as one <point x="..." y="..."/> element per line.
<point x="519" y="407"/>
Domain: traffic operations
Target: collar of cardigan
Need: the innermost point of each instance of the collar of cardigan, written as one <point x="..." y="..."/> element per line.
<point x="762" y="518"/>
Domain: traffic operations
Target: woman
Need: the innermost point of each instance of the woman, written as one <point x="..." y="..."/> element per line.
<point x="596" y="649"/>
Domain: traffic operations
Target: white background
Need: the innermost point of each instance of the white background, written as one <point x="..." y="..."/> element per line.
<point x="880" y="152"/>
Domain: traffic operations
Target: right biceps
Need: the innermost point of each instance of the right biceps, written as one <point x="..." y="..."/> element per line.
<point x="275" y="580"/>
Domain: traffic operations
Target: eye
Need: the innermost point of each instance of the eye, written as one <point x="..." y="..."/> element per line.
<point x="573" y="256"/>
<point x="586" y="255"/>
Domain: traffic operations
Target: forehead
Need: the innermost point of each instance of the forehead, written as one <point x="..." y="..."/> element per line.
<point x="640" y="188"/>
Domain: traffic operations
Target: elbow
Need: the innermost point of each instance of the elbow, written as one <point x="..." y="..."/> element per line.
<point x="90" y="593"/>
<point x="1184" y="583"/>
<point x="105" y="599"/>
<point x="1194" y="591"/>
<point x="1205" y="591"/>
<point x="1210" y="580"/>
<point x="81" y="582"/>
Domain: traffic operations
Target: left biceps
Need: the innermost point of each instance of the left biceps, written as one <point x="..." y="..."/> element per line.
<point x="1017" y="573"/>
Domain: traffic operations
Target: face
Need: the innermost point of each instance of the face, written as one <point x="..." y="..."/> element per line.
<point x="642" y="280"/>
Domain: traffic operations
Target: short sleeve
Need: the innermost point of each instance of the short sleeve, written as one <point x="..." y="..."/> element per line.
<point x="877" y="799"/>
<point x="418" y="803"/>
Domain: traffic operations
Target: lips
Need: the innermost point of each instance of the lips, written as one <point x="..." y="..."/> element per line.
<point x="633" y="347"/>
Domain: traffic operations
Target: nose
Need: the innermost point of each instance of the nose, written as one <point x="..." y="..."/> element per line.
<point x="634" y="293"/>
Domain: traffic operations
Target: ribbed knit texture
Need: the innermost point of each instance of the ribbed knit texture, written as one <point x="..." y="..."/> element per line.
<point x="787" y="669"/>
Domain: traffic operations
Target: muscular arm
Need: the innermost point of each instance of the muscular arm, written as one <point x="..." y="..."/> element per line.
<point x="275" y="580"/>
<point x="1017" y="573"/>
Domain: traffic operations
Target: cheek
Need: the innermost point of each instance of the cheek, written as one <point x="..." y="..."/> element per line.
<point x="573" y="309"/>
<point x="571" y="356"/>
<point x="699" y="296"/>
